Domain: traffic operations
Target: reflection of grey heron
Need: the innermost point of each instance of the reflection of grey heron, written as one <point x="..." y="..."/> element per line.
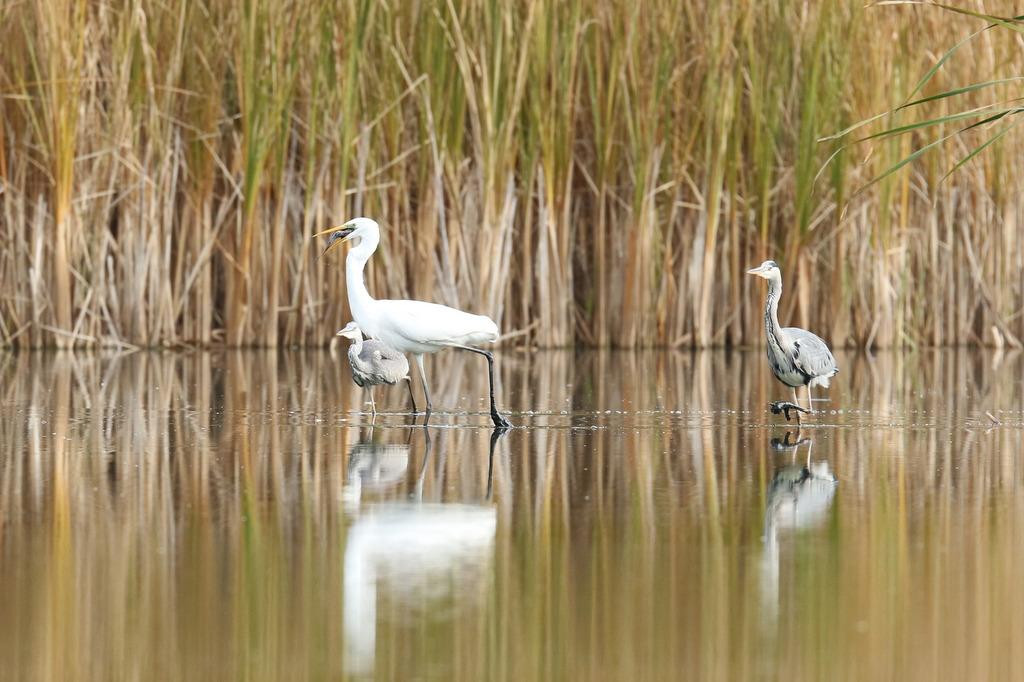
<point x="374" y="466"/>
<point x="415" y="327"/>
<point x="375" y="363"/>
<point x="799" y="497"/>
<point x="797" y="357"/>
<point x="417" y="555"/>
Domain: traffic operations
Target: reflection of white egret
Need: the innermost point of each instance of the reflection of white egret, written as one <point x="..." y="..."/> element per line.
<point x="415" y="554"/>
<point x="799" y="497"/>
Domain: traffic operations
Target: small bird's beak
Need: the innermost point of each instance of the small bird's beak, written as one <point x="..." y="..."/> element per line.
<point x="339" y="234"/>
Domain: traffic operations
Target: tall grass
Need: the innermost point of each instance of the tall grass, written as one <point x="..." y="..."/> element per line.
<point x="590" y="172"/>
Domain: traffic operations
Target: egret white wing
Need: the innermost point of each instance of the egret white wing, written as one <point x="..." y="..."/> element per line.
<point x="435" y="324"/>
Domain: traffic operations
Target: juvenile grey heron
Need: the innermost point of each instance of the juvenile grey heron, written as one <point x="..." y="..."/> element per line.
<point x="797" y="357"/>
<point x="375" y="363"/>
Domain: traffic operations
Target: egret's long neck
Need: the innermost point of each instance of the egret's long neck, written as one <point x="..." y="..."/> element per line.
<point x="771" y="311"/>
<point x="359" y="299"/>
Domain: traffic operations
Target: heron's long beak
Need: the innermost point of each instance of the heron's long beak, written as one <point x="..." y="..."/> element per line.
<point x="755" y="271"/>
<point x="342" y="233"/>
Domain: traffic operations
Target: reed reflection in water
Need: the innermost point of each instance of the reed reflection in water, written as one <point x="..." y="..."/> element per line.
<point x="213" y="516"/>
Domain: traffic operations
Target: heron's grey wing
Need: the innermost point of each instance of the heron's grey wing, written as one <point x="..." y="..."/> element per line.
<point x="395" y="362"/>
<point x="389" y="354"/>
<point x="362" y="372"/>
<point x="388" y="365"/>
<point x="358" y="366"/>
<point x="810" y="354"/>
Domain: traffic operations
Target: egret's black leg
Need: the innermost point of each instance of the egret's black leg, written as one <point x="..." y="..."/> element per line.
<point x="412" y="398"/>
<point x="495" y="434"/>
<point x="499" y="421"/>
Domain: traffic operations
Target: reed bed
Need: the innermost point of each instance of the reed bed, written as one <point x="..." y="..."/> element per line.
<point x="590" y="173"/>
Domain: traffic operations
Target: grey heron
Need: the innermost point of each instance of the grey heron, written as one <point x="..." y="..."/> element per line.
<point x="415" y="327"/>
<point x="797" y="357"/>
<point x="375" y="363"/>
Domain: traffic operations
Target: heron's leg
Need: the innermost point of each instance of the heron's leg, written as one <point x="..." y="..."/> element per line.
<point x="412" y="398"/>
<point x="499" y="421"/>
<point x="373" y="405"/>
<point x="423" y="378"/>
<point x="417" y="490"/>
<point x="810" y="400"/>
<point x="796" y="401"/>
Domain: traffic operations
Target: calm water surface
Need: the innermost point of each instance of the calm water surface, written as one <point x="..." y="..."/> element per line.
<point x="237" y="516"/>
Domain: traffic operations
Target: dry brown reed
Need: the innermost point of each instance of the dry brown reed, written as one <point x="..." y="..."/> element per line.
<point x="594" y="172"/>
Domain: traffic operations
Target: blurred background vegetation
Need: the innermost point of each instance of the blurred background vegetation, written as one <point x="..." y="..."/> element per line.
<point x="595" y="173"/>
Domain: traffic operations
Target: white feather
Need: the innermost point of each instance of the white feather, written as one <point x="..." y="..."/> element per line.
<point x="421" y="327"/>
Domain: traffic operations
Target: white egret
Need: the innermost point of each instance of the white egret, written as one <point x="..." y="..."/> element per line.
<point x="415" y="327"/>
<point x="375" y="363"/>
<point x="797" y="357"/>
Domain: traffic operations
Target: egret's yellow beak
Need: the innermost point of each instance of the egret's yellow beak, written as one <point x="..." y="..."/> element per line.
<point x="335" y="235"/>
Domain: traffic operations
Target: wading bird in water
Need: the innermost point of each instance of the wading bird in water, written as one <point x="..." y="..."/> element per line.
<point x="797" y="357"/>
<point x="375" y="363"/>
<point x="415" y="327"/>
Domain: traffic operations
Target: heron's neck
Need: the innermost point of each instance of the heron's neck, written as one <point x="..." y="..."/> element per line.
<point x="359" y="299"/>
<point x="357" y="346"/>
<point x="771" y="312"/>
